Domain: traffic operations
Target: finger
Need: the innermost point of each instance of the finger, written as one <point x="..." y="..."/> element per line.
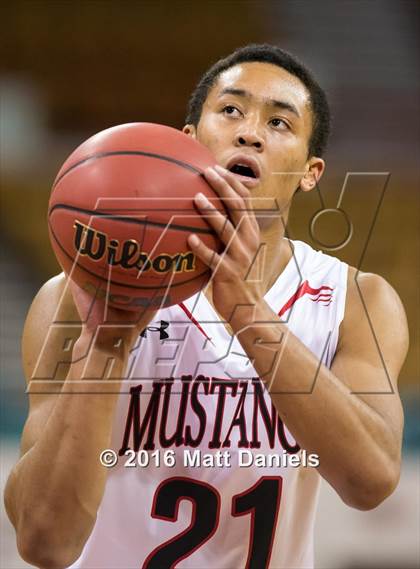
<point x="219" y="222"/>
<point x="232" y="192"/>
<point x="227" y="232"/>
<point x="231" y="198"/>
<point x="239" y="187"/>
<point x="207" y="255"/>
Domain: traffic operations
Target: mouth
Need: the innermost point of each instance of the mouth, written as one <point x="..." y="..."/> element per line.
<point x="246" y="169"/>
<point x="243" y="170"/>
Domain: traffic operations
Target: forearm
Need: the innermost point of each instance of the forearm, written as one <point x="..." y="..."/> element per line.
<point x="354" y="443"/>
<point x="57" y="486"/>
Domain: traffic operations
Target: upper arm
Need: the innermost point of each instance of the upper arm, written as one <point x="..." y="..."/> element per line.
<point x="42" y="347"/>
<point x="373" y="345"/>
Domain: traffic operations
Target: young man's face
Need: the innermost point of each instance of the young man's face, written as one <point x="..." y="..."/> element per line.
<point x="260" y="114"/>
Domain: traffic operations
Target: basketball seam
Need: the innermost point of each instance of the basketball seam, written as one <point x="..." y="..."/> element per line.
<point x="128" y="153"/>
<point x="95" y="213"/>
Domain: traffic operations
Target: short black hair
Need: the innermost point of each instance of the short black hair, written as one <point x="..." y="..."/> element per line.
<point x="266" y="53"/>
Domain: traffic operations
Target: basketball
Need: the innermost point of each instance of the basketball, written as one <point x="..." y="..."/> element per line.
<point x="120" y="212"/>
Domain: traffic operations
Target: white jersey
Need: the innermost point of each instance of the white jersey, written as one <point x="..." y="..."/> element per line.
<point x="222" y="483"/>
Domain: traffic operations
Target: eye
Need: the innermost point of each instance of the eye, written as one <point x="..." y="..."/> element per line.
<point x="280" y="123"/>
<point x="230" y="110"/>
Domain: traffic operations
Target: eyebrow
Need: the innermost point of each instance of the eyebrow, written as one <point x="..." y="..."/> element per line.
<point x="284" y="105"/>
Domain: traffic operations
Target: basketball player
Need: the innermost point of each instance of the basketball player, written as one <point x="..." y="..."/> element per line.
<point x="242" y="396"/>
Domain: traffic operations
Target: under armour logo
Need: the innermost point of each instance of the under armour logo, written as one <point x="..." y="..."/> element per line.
<point x="161" y="329"/>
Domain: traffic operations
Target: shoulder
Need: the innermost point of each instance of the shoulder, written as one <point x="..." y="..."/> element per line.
<point x="53" y="286"/>
<point x="53" y="303"/>
<point x="369" y="290"/>
<point x="53" y="295"/>
<point x="373" y="312"/>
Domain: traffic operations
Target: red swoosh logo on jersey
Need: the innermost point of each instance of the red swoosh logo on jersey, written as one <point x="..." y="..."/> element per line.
<point x="319" y="296"/>
<point x="305" y="288"/>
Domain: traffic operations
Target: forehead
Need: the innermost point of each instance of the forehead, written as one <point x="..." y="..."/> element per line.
<point x="264" y="81"/>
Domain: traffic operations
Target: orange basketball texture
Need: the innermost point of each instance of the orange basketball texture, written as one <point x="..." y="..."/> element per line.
<point x="120" y="212"/>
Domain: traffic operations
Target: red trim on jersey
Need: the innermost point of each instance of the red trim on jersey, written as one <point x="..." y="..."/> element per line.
<point x="193" y="320"/>
<point x="305" y="288"/>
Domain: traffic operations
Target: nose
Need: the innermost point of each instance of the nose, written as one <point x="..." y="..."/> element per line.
<point x="249" y="137"/>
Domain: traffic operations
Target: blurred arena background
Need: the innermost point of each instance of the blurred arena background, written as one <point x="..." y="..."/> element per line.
<point x="72" y="68"/>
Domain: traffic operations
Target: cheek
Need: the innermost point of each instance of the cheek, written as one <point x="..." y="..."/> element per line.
<point x="209" y="137"/>
<point x="211" y="131"/>
<point x="285" y="176"/>
<point x="291" y="164"/>
<point x="281" y="186"/>
<point x="207" y="125"/>
<point x="292" y="157"/>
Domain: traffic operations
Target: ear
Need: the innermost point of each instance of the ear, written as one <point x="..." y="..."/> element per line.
<point x="312" y="175"/>
<point x="190" y="130"/>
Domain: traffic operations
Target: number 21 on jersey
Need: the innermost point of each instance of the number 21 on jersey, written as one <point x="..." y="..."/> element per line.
<point x="261" y="502"/>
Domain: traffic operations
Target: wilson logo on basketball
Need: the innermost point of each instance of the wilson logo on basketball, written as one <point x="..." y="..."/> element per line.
<point x="127" y="254"/>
